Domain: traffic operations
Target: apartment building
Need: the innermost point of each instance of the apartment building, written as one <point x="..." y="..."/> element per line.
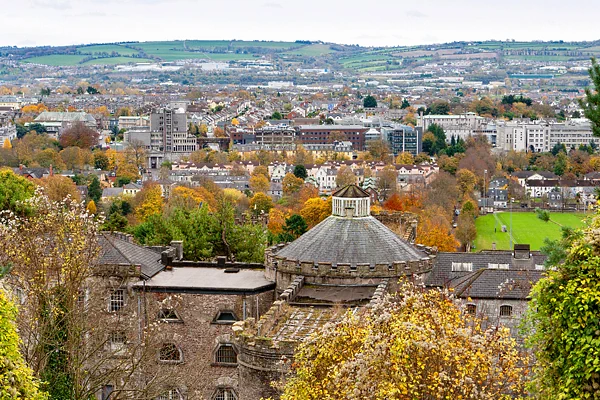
<point x="322" y="134"/>
<point x="403" y="138"/>
<point x="542" y="136"/>
<point x="461" y="125"/>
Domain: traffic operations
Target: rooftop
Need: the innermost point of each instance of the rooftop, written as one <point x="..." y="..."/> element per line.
<point x="209" y="280"/>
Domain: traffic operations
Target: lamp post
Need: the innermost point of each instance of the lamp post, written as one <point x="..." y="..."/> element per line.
<point x="510" y="234"/>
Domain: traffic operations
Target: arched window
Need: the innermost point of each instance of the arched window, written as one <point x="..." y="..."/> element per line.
<point x="505" y="311"/>
<point x="172" y="394"/>
<point x="226" y="354"/>
<point x="224" y="394"/>
<point x="169" y="352"/>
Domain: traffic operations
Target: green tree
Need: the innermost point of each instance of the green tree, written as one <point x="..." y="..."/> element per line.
<point x="260" y="203"/>
<point x="100" y="160"/>
<point x="294" y="227"/>
<point x="276" y="115"/>
<point x="300" y="171"/>
<point x="14" y="189"/>
<point x="94" y="189"/>
<point x="591" y="103"/>
<point x="438" y="108"/>
<point x="369" y="102"/>
<point x="405" y="104"/>
<point x="16" y="378"/>
<point x="563" y="318"/>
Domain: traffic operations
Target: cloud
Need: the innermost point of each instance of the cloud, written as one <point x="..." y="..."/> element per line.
<point x="57" y="5"/>
<point x="415" y="14"/>
<point x="272" y="5"/>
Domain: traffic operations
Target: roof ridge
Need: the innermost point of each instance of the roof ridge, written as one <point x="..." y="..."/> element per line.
<point x="470" y="281"/>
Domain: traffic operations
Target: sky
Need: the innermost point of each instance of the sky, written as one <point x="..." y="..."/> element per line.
<point x="363" y="22"/>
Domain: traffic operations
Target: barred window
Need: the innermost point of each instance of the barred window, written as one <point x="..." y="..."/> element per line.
<point x="173" y="394"/>
<point x="117" y="300"/>
<point x="226" y="354"/>
<point x="225" y="394"/>
<point x="505" y="311"/>
<point x="170" y="352"/>
<point x="471" y="309"/>
<point x="116" y="341"/>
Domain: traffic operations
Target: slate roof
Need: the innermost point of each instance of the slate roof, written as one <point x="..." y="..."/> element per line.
<point x="498" y="284"/>
<point x="351" y="240"/>
<point x="442" y="274"/>
<point x="116" y="251"/>
<point x="350" y="191"/>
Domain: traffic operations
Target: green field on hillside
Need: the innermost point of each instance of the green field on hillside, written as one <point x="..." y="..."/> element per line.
<point x="115" y="61"/>
<point x="107" y="48"/>
<point x="527" y="228"/>
<point x="56" y="59"/>
<point x="311" y="50"/>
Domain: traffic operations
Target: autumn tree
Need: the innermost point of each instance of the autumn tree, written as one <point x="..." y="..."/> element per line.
<point x="315" y="210"/>
<point x="136" y="153"/>
<point x="378" y="150"/>
<point x="412" y="345"/>
<point x="260" y="203"/>
<point x="394" y="203"/>
<point x="58" y="187"/>
<point x="345" y="176"/>
<point x="259" y="183"/>
<point x="291" y="184"/>
<point x="148" y="201"/>
<point x="276" y="222"/>
<point x="79" y="135"/>
<point x="466" y="182"/>
<point x="75" y="157"/>
<point x="405" y="158"/>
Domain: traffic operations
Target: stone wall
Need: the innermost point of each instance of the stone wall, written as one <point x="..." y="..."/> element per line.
<point x="198" y="335"/>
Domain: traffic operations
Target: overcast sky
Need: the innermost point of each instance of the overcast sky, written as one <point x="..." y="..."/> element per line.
<point x="364" y="22"/>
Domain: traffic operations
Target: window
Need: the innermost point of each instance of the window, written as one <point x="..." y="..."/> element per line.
<point x="505" y="311"/>
<point x="226" y="354"/>
<point x="168" y="315"/>
<point x="107" y="391"/>
<point x="116" y="341"/>
<point x="471" y="309"/>
<point x="173" y="394"/>
<point x="225" y="317"/>
<point x="225" y="394"/>
<point x="170" y="352"/>
<point x="117" y="300"/>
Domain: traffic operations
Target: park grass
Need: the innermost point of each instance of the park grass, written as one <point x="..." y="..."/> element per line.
<point x="107" y="48"/>
<point x="527" y="228"/>
<point x="56" y="60"/>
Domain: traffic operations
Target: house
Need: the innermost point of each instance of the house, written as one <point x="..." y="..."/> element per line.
<point x="131" y="189"/>
<point x="110" y="193"/>
<point x="494" y="285"/>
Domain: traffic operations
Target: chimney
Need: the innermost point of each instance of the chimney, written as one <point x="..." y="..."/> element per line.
<point x="221" y="261"/>
<point x="20" y="167"/>
<point x="178" y="246"/>
<point x="493" y="245"/>
<point x="51" y="171"/>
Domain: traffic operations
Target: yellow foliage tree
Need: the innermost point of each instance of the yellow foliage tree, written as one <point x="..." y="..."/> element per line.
<point x="405" y="158"/>
<point x="260" y="203"/>
<point x="433" y="232"/>
<point x="58" y="187"/>
<point x="7" y="144"/>
<point x="259" y="184"/>
<point x="413" y="345"/>
<point x="149" y="201"/>
<point x="316" y="210"/>
<point x="291" y="184"/>
<point x="91" y="207"/>
<point x="276" y="221"/>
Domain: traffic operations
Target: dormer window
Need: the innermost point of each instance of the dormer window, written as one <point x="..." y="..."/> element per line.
<point x="225" y="317"/>
<point x="168" y="315"/>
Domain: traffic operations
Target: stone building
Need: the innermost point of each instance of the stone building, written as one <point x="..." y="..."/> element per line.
<point x="349" y="260"/>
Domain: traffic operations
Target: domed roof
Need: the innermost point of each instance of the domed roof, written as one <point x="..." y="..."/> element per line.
<point x="351" y="240"/>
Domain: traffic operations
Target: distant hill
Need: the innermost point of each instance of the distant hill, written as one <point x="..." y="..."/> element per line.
<point x="360" y="59"/>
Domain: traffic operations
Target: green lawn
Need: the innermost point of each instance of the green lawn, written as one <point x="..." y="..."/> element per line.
<point x="527" y="228"/>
